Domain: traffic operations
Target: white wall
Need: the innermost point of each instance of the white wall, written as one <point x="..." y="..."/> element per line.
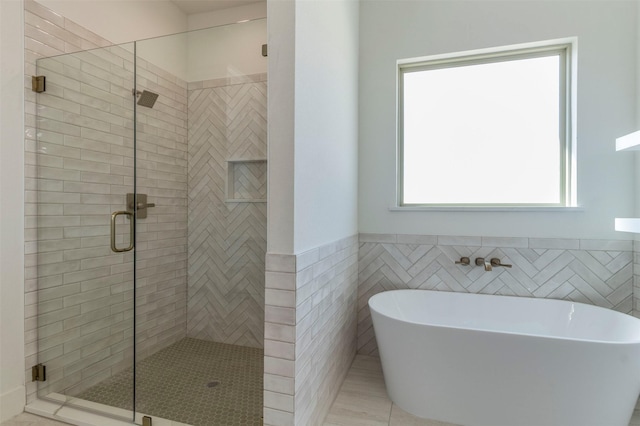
<point x="12" y="391"/>
<point x="237" y="47"/>
<point x="121" y="21"/>
<point x="606" y="106"/>
<point x="637" y="155"/>
<point x="251" y="11"/>
<point x="227" y="51"/>
<point x="198" y="56"/>
<point x="313" y="66"/>
<point x="166" y="52"/>
<point x="280" y="126"/>
<point x="222" y="48"/>
<point x="326" y="122"/>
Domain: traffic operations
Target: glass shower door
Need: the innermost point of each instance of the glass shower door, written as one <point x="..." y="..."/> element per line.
<point x="80" y="257"/>
<point x="162" y="316"/>
<point x="201" y="150"/>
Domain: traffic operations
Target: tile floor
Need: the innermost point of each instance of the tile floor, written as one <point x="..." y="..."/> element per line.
<point x="26" y="419"/>
<point x="362" y="401"/>
<point x="193" y="381"/>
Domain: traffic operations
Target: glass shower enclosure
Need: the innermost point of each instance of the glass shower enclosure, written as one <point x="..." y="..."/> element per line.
<point x="147" y="197"/>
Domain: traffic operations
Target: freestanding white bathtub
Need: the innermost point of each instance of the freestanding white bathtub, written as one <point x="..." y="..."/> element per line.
<point x="474" y="359"/>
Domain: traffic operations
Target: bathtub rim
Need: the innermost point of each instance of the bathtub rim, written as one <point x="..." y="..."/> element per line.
<point x="510" y="333"/>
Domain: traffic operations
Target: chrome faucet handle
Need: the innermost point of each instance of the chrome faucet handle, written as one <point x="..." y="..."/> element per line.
<point x="463" y="261"/>
<point x="496" y="262"/>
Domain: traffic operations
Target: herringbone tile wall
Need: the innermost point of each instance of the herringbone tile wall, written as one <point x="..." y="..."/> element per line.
<point x="636" y="279"/>
<point x="249" y="180"/>
<point x="598" y="272"/>
<point x="227" y="240"/>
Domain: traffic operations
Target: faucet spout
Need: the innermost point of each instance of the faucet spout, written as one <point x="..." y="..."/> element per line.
<point x="481" y="261"/>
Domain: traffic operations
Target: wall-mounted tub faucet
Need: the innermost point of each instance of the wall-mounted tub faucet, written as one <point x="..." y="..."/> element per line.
<point x="481" y="261"/>
<point x="496" y="262"/>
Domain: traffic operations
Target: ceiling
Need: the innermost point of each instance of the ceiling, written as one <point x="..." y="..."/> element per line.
<point x="199" y="6"/>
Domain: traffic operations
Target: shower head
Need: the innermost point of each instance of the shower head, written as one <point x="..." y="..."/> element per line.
<point x="147" y="98"/>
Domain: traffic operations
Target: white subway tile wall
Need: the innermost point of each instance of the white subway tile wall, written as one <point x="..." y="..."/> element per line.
<point x="310" y="331"/>
<point x="79" y="166"/>
<point x="279" y="339"/>
<point x="161" y="246"/>
<point x="56" y="242"/>
<point x="227" y="240"/>
<point x="598" y="272"/>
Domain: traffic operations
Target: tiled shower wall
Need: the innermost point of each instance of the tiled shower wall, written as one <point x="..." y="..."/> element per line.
<point x="79" y="168"/>
<point x="598" y="272"/>
<point x="310" y="331"/>
<point x="227" y="209"/>
<point x="636" y="278"/>
<point x="161" y="246"/>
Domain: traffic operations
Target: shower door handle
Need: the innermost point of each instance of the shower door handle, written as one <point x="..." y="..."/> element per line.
<point x="114" y="215"/>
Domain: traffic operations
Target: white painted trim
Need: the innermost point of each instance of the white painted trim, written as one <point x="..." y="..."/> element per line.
<point x="12" y="359"/>
<point x="12" y="403"/>
<point x="485" y="209"/>
<point x="490" y="50"/>
<point x="565" y="48"/>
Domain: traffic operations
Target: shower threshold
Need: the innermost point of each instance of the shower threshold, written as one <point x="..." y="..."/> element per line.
<point x="79" y="412"/>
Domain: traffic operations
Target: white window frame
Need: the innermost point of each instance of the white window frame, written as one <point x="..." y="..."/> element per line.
<point x="566" y="49"/>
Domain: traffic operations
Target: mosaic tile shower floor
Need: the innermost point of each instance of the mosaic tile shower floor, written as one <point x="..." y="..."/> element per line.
<point x="177" y="383"/>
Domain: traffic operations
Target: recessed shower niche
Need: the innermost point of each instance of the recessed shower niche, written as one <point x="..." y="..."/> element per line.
<point x="144" y="331"/>
<point x="247" y="181"/>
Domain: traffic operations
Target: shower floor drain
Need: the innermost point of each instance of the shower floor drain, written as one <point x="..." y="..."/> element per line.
<point x="185" y="370"/>
<point x="213" y="384"/>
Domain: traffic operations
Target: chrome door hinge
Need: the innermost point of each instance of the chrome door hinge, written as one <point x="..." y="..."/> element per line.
<point x="38" y="373"/>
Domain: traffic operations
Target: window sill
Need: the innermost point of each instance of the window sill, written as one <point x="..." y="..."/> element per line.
<point x="484" y="209"/>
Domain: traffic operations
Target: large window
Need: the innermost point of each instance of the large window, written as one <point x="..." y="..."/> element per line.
<point x="486" y="129"/>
